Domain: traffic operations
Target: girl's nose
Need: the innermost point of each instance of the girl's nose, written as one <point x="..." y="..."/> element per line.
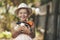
<point x="22" y="13"/>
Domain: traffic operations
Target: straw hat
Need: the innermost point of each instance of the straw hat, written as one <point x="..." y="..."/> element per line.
<point x="23" y="6"/>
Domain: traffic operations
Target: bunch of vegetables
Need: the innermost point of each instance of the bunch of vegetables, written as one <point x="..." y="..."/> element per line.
<point x="5" y="34"/>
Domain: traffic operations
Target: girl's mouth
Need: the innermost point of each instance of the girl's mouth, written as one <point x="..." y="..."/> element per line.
<point x="22" y="16"/>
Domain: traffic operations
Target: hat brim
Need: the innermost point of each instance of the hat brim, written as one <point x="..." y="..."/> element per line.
<point x="29" y="9"/>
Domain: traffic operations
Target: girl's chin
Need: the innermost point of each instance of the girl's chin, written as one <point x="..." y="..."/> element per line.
<point x="22" y="19"/>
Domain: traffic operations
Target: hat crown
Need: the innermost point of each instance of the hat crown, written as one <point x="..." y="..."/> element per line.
<point x="23" y="5"/>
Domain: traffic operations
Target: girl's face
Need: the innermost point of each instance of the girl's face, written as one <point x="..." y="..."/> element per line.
<point x="23" y="14"/>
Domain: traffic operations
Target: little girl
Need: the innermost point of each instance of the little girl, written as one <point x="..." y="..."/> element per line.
<point x="24" y="29"/>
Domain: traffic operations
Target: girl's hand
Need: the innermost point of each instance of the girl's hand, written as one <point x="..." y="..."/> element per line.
<point x="27" y="30"/>
<point x="24" y="29"/>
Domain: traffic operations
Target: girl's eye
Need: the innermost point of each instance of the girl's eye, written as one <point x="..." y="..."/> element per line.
<point x="20" y="13"/>
<point x="25" y="13"/>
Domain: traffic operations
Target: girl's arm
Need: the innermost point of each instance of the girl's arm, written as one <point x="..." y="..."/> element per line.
<point x="32" y="29"/>
<point x="32" y="34"/>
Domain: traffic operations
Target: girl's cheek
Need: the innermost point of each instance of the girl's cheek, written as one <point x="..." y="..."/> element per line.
<point x="19" y="14"/>
<point x="26" y="15"/>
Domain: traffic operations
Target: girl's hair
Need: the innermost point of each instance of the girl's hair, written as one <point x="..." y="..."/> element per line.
<point x="28" y="11"/>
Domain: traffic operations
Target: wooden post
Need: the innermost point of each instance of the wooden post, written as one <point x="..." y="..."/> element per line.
<point x="56" y="12"/>
<point x="46" y="23"/>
